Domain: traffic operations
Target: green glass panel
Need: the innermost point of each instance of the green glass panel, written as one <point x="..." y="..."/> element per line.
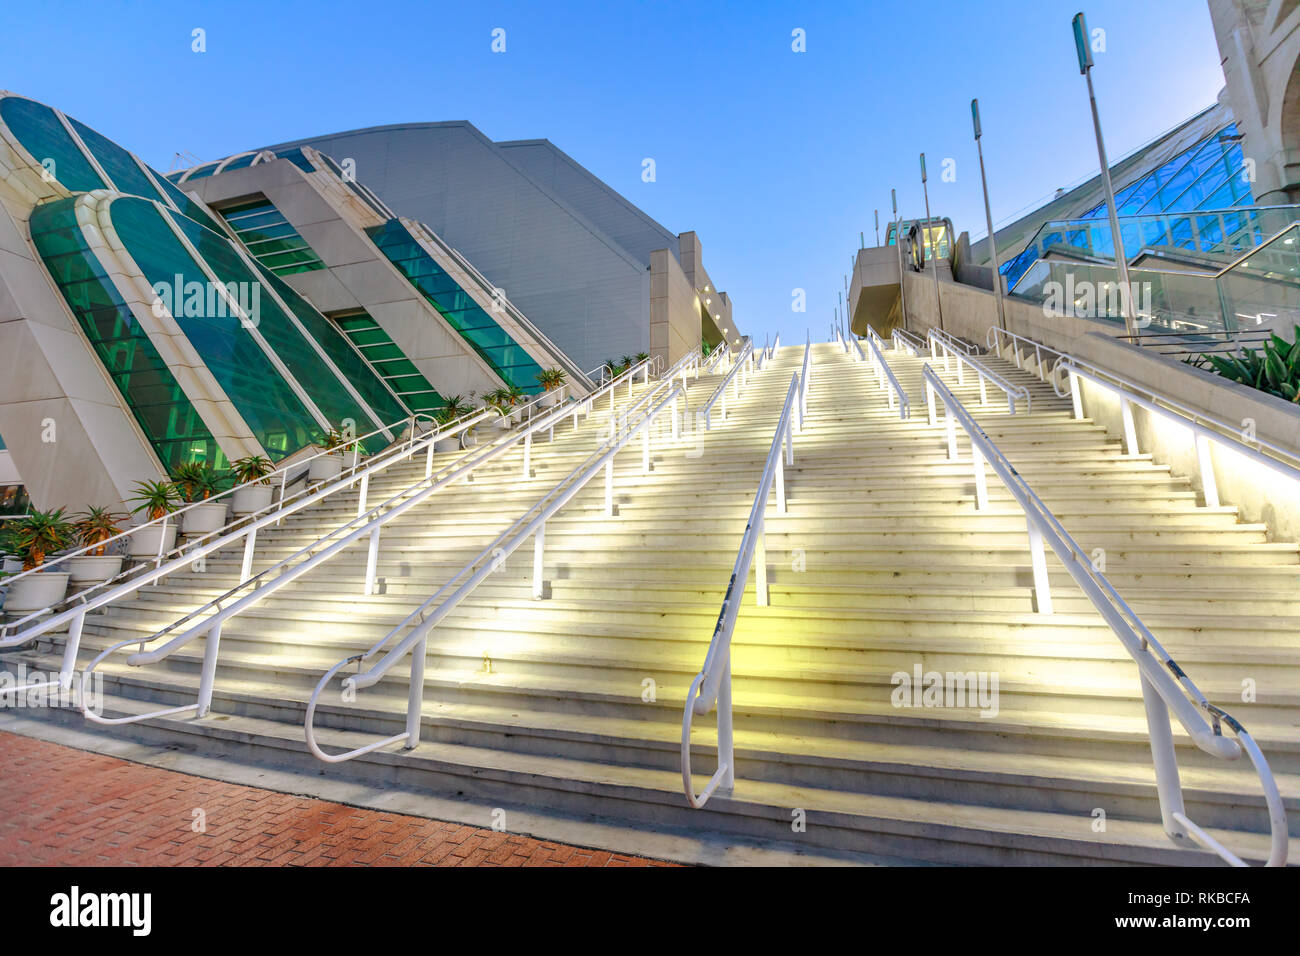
<point x="401" y="375"/>
<point x="460" y="310"/>
<point x="38" y="129"/>
<point x="120" y="165"/>
<point x="257" y="222"/>
<point x="169" y="422"/>
<point x="367" y="383"/>
<point x="262" y="396"/>
<point x="289" y="342"/>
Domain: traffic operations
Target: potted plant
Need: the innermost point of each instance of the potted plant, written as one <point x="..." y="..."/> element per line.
<point x="330" y="465"/>
<point x="156" y="500"/>
<point x="455" y="407"/>
<point x="253" y="489"/>
<point x="552" y="380"/>
<point x="514" y="399"/>
<point x="94" y="527"/>
<point x="12" y="563"/>
<point x="196" y="483"/>
<point x="499" y="401"/>
<point x="33" y="537"/>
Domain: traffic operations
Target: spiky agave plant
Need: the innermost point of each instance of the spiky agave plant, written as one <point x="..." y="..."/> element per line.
<point x="1275" y="369"/>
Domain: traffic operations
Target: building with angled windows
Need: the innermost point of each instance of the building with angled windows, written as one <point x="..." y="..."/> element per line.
<point x="249" y="305"/>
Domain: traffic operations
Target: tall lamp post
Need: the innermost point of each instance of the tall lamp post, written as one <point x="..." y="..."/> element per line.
<point x="988" y="215"/>
<point x="934" y="246"/>
<point x="1084" y="51"/>
<point x="898" y="244"/>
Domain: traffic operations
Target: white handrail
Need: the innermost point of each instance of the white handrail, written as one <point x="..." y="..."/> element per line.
<point x="370" y="521"/>
<point x="994" y="342"/>
<point x="713" y="683"/>
<point x="172" y="516"/>
<point x="805" y="380"/>
<point x="950" y="347"/>
<point x="1161" y="675"/>
<point x="427" y="616"/>
<point x="75" y="615"/>
<point x="1205" y="429"/>
<point x="736" y="378"/>
<point x="910" y="343"/>
<point x="885" y="373"/>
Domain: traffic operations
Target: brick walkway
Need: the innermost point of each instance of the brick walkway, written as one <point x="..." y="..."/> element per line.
<point x="64" y="806"/>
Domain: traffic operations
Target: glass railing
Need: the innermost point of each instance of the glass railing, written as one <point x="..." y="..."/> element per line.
<point x="1221" y="233"/>
<point x="1258" y="292"/>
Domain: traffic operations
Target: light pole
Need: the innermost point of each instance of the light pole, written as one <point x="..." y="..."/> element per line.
<point x="1084" y="50"/>
<point x="934" y="246"/>
<point x="988" y="215"/>
<point x="898" y="244"/>
<point x="877" y="227"/>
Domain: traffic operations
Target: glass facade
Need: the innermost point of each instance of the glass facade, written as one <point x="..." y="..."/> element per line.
<point x="382" y="354"/>
<point x="38" y="129"/>
<point x="269" y="238"/>
<point x="508" y="359"/>
<point x="368" y="382"/>
<point x="164" y="413"/>
<point x="1196" y="201"/>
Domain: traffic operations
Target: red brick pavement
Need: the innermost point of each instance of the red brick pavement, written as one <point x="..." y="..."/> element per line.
<point x="64" y="806"/>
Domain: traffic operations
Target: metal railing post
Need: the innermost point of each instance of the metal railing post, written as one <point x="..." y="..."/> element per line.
<point x="528" y="454"/>
<point x="364" y="491"/>
<point x="1130" y="431"/>
<point x="1076" y="398"/>
<point x="950" y="426"/>
<point x="1038" y="558"/>
<point x="981" y="485"/>
<point x="929" y="403"/>
<point x="609" y="487"/>
<point x="760" y="564"/>
<point x="70" y="648"/>
<point x="726" y="745"/>
<point x="208" y="675"/>
<point x="372" y="561"/>
<point x="1209" y="485"/>
<point x="539" y="549"/>
<point x="415" y="695"/>
<point x="246" y="567"/>
<point x="1168" y="784"/>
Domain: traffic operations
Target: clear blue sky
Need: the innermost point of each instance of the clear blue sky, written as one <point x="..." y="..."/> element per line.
<point x="776" y="158"/>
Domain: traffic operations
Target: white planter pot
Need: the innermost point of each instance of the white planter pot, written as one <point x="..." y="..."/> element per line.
<point x="245" y="501"/>
<point x="204" y="518"/>
<point x="36" y="592"/>
<point x="549" y="398"/>
<point x="144" y="543"/>
<point x="447" y="444"/>
<point x="325" y="468"/>
<point x="468" y="440"/>
<point x="12" y="565"/>
<point x="94" y="569"/>
<point x="503" y="422"/>
<point x="517" y="415"/>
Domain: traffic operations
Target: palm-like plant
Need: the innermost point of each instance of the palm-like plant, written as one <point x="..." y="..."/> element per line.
<point x="551" y="378"/>
<point x="625" y="363"/>
<point x="453" y="408"/>
<point x="37" y="534"/>
<point x="642" y="356"/>
<point x="499" y="399"/>
<point x="1275" y="369"/>
<point x="196" y="481"/>
<point x="95" y="526"/>
<point x="157" y="498"/>
<point x="251" y="468"/>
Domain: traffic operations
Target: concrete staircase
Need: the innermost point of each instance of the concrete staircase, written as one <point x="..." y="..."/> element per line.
<point x="572" y="706"/>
